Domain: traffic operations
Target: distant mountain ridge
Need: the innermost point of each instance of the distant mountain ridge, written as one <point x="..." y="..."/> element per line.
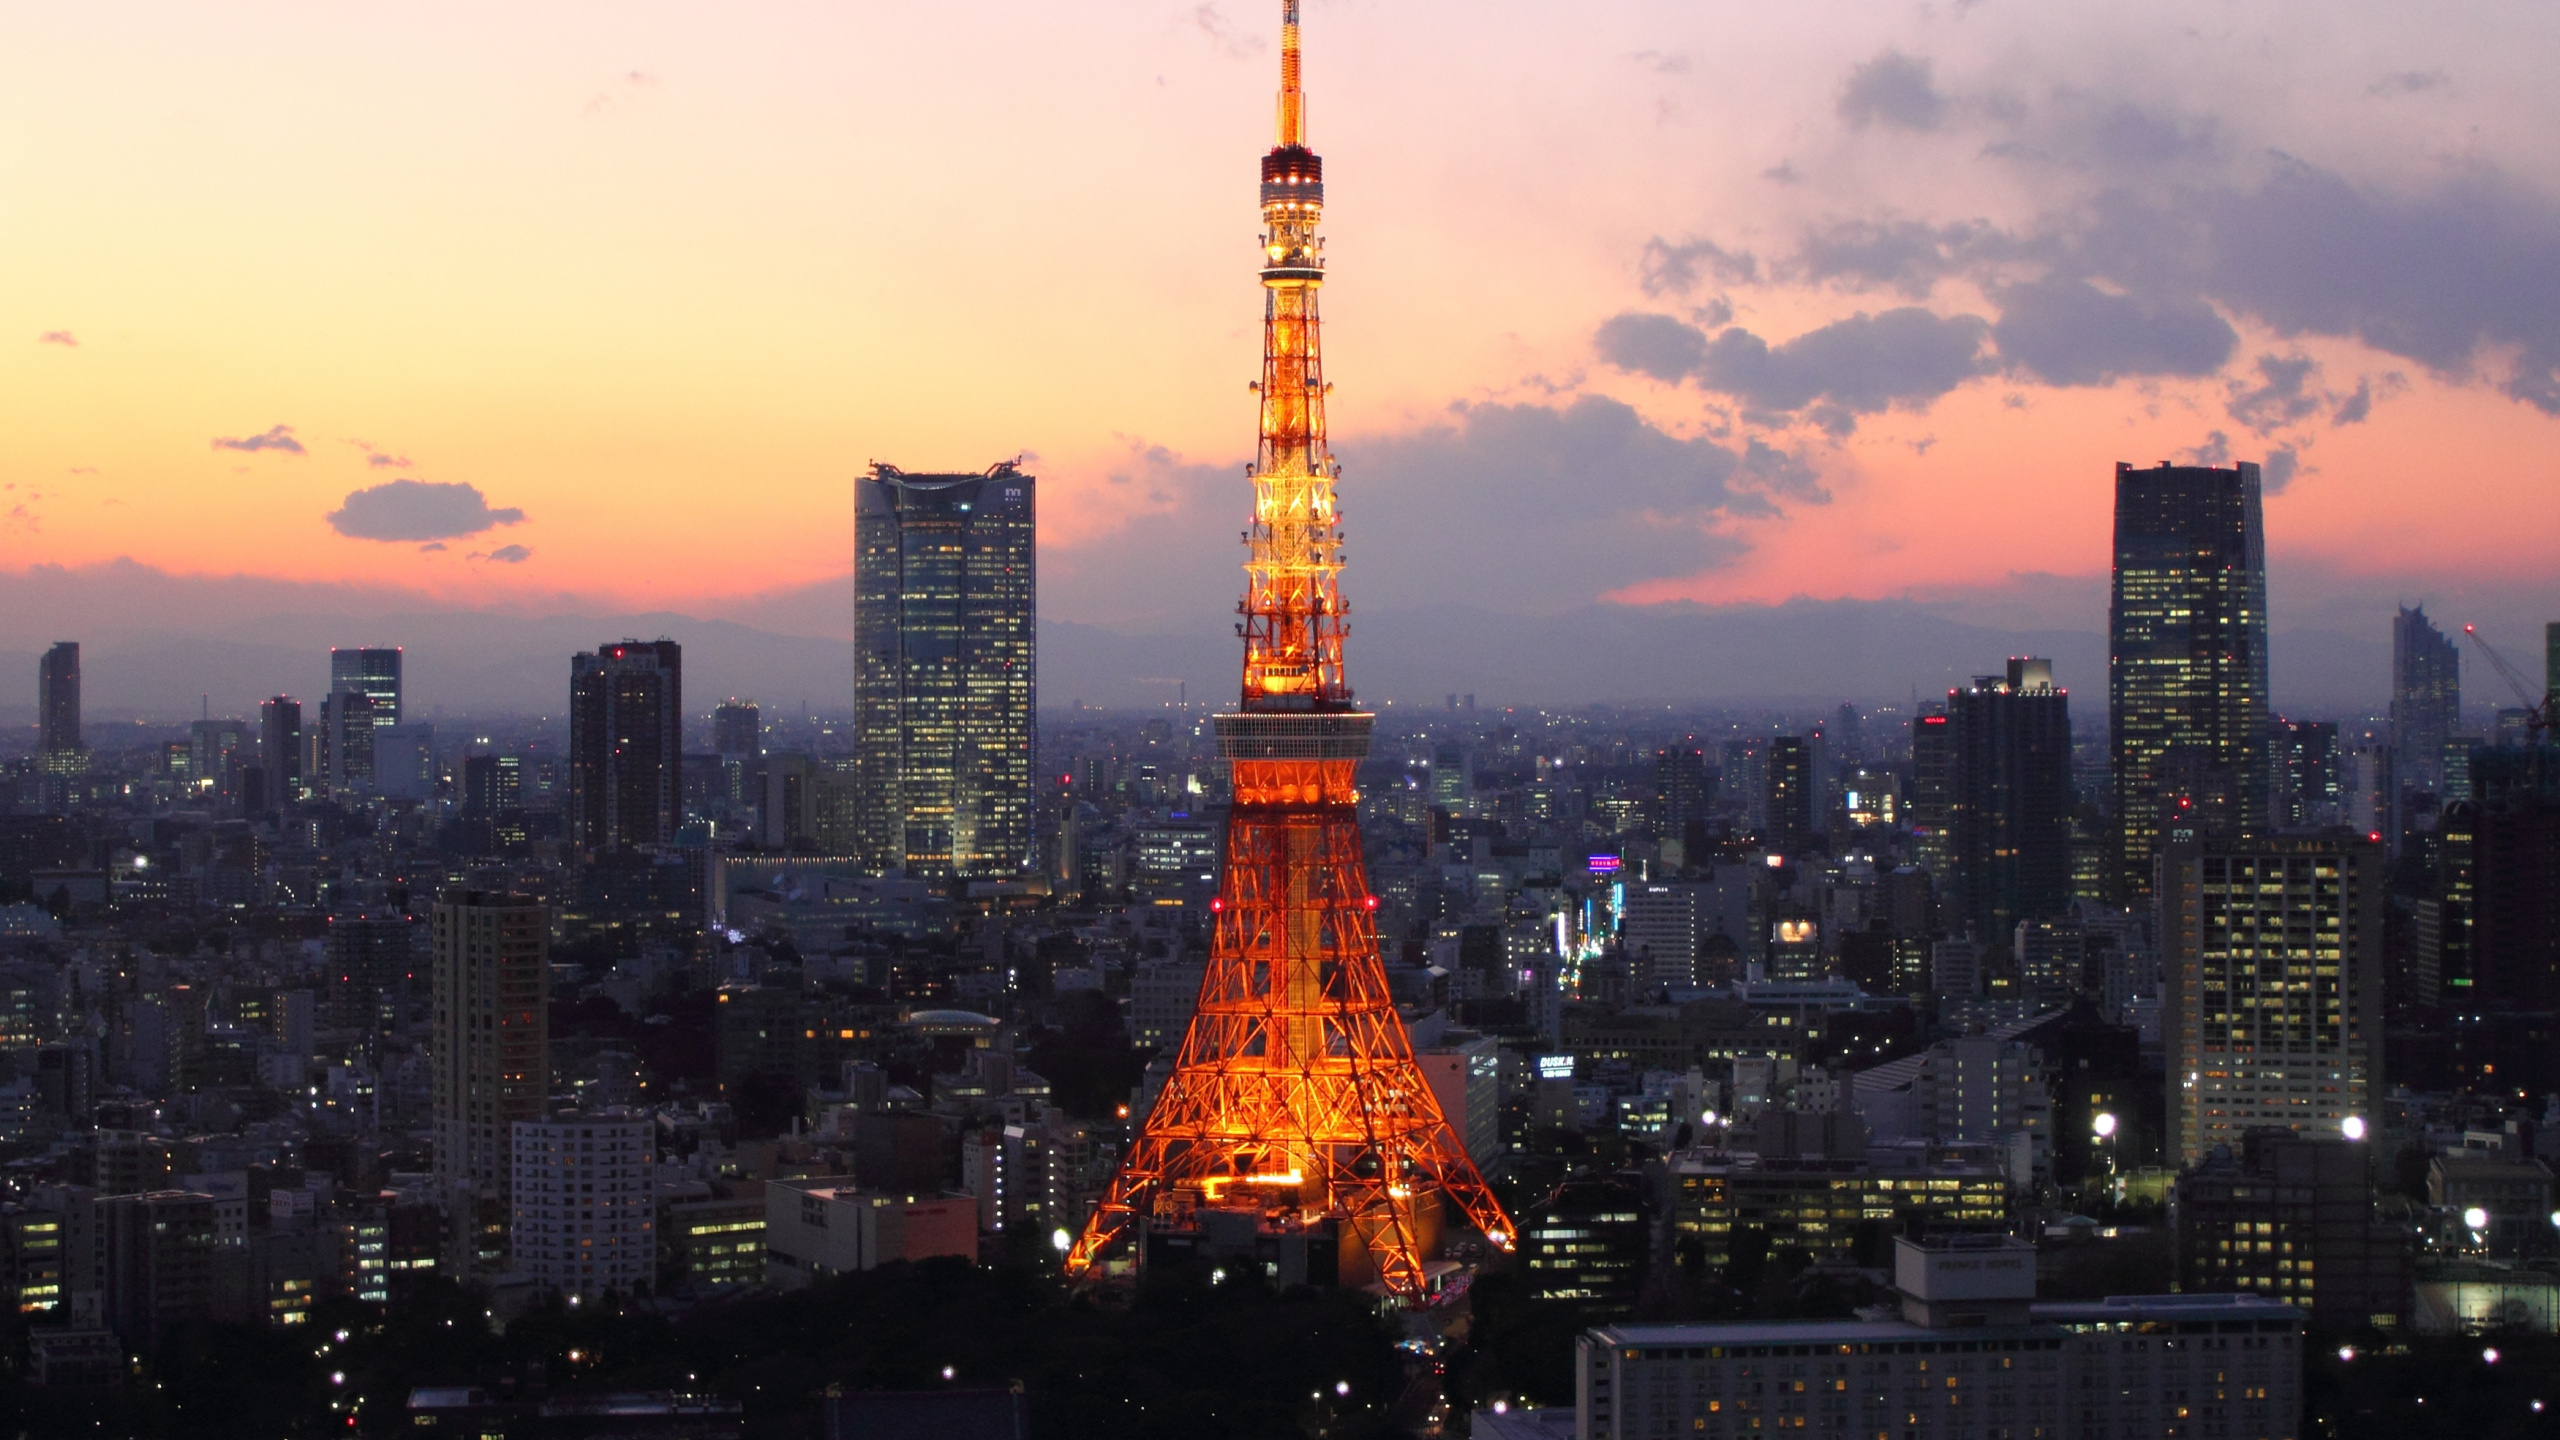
<point x="1799" y="655"/>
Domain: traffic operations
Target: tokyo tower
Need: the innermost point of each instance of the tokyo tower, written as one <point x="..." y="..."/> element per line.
<point x="1295" y="1105"/>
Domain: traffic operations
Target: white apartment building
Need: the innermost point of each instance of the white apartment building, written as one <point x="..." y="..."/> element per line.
<point x="585" y="1203"/>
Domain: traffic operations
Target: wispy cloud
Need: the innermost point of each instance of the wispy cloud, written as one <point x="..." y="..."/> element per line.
<point x="626" y="86"/>
<point x="1235" y="42"/>
<point x="63" y="338"/>
<point x="507" y="555"/>
<point x="274" y="437"/>
<point x="380" y="459"/>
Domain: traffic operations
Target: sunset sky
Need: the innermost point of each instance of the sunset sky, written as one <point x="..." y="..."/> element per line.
<point x="1725" y="302"/>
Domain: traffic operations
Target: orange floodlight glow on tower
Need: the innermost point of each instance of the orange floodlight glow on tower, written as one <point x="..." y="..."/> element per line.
<point x="1295" y="1100"/>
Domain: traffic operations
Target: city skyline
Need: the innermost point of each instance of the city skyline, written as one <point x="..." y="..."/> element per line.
<point x="1944" y="448"/>
<point x="1654" y="954"/>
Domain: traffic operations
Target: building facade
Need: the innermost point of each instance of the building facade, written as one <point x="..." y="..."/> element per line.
<point x="1970" y="1356"/>
<point x="584" y="1203"/>
<point x="2291" y="1217"/>
<point x="58" y="699"/>
<point x="2187" y="661"/>
<point x="372" y="673"/>
<point x="626" y="746"/>
<point x="491" y="1049"/>
<point x="2271" y="987"/>
<point x="2426" y="698"/>
<point x="1789" y="827"/>
<point x="2008" y="801"/>
<point x="737" y="730"/>
<point x="946" y="650"/>
<point x="280" y="748"/>
<point x="1839" y="1211"/>
<point x="828" y="1226"/>
<point x="2303" y="763"/>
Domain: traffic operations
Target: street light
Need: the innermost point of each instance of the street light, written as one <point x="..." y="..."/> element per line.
<point x="2104" y="1126"/>
<point x="2352" y="1127"/>
<point x="2475" y="1219"/>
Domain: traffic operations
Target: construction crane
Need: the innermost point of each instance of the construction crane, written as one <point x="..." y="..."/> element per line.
<point x="2537" y="712"/>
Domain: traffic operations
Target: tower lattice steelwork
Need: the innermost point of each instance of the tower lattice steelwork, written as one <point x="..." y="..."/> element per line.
<point x="1295" y="1103"/>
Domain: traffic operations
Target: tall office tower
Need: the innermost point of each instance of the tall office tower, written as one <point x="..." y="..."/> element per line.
<point x="2302" y="756"/>
<point x="2187" y="660"/>
<point x="1932" y="753"/>
<point x="626" y="746"/>
<point x="1680" y="791"/>
<point x="1788" y="827"/>
<point x="2271" y="987"/>
<point x="372" y="673"/>
<point x="2426" y="698"/>
<point x="944" y="660"/>
<point x="2491" y="936"/>
<point x="343" y="758"/>
<point x="280" y="748"/>
<point x="2009" y="800"/>
<point x="58" y="699"/>
<point x="490" y="1051"/>
<point x="1296" y="1113"/>
<point x="737" y="730"/>
<point x="1746" y="777"/>
<point x="1662" y="928"/>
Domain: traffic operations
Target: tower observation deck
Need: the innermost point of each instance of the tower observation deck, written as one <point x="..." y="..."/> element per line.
<point x="1295" y="1112"/>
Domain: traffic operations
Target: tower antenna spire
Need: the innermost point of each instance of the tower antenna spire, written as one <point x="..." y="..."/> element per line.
<point x="1293" y="101"/>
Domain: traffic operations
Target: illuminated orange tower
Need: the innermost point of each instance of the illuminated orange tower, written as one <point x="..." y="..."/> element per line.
<point x="1295" y="1103"/>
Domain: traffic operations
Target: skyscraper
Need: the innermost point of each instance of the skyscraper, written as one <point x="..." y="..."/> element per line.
<point x="737" y="730"/>
<point x="2009" y="800"/>
<point x="2271" y="987"/>
<point x="490" y="1051"/>
<point x="626" y="746"/>
<point x="945" y="650"/>
<point x="1680" y="791"/>
<point x="2187" y="660"/>
<point x="58" y="699"/>
<point x="344" y="755"/>
<point x="1789" y="827"/>
<point x="1932" y="752"/>
<point x="280" y="748"/>
<point x="2426" y="698"/>
<point x="372" y="672"/>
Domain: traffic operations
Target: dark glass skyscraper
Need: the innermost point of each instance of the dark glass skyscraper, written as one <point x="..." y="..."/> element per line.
<point x="280" y="748"/>
<point x="1790" y="825"/>
<point x="373" y="672"/>
<point x="2187" y="661"/>
<point x="2008" y="801"/>
<point x="2426" y="698"/>
<point x="626" y="746"/>
<point x="58" y="699"/>
<point x="737" y="730"/>
<point x="945" y="652"/>
<point x="1680" y="791"/>
<point x="1932" y="752"/>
